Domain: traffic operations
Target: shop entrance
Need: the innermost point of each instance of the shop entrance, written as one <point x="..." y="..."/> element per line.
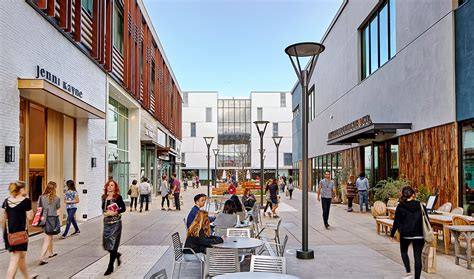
<point x="467" y="168"/>
<point x="148" y="162"/>
<point x="380" y="161"/>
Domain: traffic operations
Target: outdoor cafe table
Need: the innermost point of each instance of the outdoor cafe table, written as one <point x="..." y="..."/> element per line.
<point x="468" y="232"/>
<point x="441" y="222"/>
<point x="239" y="243"/>
<point x="259" y="275"/>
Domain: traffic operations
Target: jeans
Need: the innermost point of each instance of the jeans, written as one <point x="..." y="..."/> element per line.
<point x="417" y="250"/>
<point x="144" y="198"/>
<point x="349" y="202"/>
<point x="163" y="198"/>
<point x="176" y="201"/>
<point x="133" y="200"/>
<point x="326" y="204"/>
<point x="71" y="219"/>
<point x="364" y="198"/>
<point x="291" y="194"/>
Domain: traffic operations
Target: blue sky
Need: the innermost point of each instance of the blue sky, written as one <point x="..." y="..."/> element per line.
<point x="236" y="46"/>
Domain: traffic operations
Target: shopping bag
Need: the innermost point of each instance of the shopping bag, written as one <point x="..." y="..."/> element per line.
<point x="428" y="258"/>
<point x="37" y="218"/>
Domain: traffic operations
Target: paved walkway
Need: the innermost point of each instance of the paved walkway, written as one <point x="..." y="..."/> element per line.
<point x="349" y="249"/>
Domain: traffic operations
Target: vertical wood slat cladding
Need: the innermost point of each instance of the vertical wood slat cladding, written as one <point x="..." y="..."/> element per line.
<point x="77" y="20"/>
<point x="95" y="29"/>
<point x="65" y="14"/>
<point x="108" y="33"/>
<point x="351" y="159"/>
<point x="430" y="157"/>
<point x="51" y="7"/>
<point x="42" y="4"/>
<point x="101" y="46"/>
<point x="126" y="45"/>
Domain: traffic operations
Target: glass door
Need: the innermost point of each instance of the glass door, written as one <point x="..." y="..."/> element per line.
<point x="467" y="163"/>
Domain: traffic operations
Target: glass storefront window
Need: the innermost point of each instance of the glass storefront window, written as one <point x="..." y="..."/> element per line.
<point x="117" y="131"/>
<point x="393" y="161"/>
<point x="467" y="163"/>
<point x="368" y="162"/>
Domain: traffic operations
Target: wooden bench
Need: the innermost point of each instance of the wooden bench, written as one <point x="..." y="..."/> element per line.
<point x="385" y="226"/>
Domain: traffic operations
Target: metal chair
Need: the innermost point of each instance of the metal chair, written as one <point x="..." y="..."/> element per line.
<point x="160" y="275"/>
<point x="276" y="229"/>
<point x="221" y="261"/>
<point x="280" y="248"/>
<point x="238" y="232"/>
<point x="268" y="264"/>
<point x="179" y="256"/>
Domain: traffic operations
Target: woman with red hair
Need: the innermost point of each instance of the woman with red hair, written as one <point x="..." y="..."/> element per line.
<point x="112" y="207"/>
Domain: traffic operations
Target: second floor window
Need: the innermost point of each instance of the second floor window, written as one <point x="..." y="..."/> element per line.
<point x="282" y="100"/>
<point x="275" y="129"/>
<point x="287" y="159"/>
<point x="259" y="114"/>
<point x="378" y="38"/>
<point x="118" y="29"/>
<point x="208" y="114"/>
<point x="311" y="105"/>
<point x="193" y="130"/>
<point x="87" y="5"/>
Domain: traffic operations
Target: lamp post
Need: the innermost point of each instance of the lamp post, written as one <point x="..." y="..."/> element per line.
<point x="261" y="127"/>
<point x="208" y="141"/>
<point x="295" y="52"/>
<point x="216" y="152"/>
<point x="277" y="141"/>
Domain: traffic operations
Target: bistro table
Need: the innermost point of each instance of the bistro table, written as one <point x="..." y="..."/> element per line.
<point x="441" y="222"/>
<point x="259" y="275"/>
<point x="468" y="233"/>
<point x="239" y="243"/>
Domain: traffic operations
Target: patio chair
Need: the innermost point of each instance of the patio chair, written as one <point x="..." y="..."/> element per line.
<point x="276" y="229"/>
<point x="160" y="275"/>
<point x="221" y="261"/>
<point x="458" y="210"/>
<point x="238" y="232"/>
<point x="280" y="248"/>
<point x="463" y="221"/>
<point x="220" y="231"/>
<point x="179" y="254"/>
<point x="446" y="207"/>
<point x="268" y="264"/>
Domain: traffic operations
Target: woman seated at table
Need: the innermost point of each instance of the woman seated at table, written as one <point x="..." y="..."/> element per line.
<point x="248" y="199"/>
<point x="227" y="218"/>
<point x="199" y="236"/>
<point x="239" y="207"/>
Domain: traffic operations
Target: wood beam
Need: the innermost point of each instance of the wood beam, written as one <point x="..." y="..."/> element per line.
<point x="50" y="7"/>
<point x="77" y="20"/>
<point x="108" y="34"/>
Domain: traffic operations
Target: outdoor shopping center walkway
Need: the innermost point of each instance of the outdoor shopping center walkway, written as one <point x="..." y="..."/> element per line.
<point x="349" y="249"/>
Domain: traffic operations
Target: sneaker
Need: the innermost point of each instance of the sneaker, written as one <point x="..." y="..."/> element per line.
<point x="327" y="226"/>
<point x="163" y="208"/>
<point x="76" y="232"/>
<point x="62" y="237"/>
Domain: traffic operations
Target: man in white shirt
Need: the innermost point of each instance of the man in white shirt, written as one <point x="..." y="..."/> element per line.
<point x="145" y="190"/>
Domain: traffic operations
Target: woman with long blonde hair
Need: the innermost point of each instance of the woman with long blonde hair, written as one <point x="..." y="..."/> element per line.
<point x="50" y="203"/>
<point x="199" y="235"/>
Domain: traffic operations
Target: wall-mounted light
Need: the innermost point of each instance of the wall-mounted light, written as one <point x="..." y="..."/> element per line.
<point x="9" y="154"/>
<point x="93" y="162"/>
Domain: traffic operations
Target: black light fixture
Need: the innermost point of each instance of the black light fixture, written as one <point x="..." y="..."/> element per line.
<point x="9" y="154"/>
<point x="93" y="162"/>
<point x="277" y="141"/>
<point x="261" y="127"/>
<point x="309" y="50"/>
<point x="216" y="152"/>
<point x="208" y="141"/>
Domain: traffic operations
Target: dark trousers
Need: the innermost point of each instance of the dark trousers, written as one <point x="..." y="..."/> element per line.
<point x="144" y="198"/>
<point x="291" y="193"/>
<point x="133" y="200"/>
<point x="269" y="204"/>
<point x="417" y="250"/>
<point x="349" y="201"/>
<point x="176" y="201"/>
<point x="114" y="255"/>
<point x="163" y="198"/>
<point x="71" y="220"/>
<point x="326" y="203"/>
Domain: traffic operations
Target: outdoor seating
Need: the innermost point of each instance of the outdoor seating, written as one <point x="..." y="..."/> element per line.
<point x="458" y="210"/>
<point x="446" y="207"/>
<point x="462" y="221"/>
<point x="221" y="261"/>
<point x="160" y="275"/>
<point x="268" y="264"/>
<point x="279" y="248"/>
<point x="238" y="232"/>
<point x="385" y="226"/>
<point x="276" y="229"/>
<point x="179" y="254"/>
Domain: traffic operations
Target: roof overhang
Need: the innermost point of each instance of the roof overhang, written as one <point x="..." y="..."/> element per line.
<point x="47" y="94"/>
<point x="368" y="132"/>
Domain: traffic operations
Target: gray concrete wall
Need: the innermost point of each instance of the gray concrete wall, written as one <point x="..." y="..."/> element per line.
<point x="417" y="85"/>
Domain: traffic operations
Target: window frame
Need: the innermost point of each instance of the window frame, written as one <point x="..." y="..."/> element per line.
<point x="193" y="125"/>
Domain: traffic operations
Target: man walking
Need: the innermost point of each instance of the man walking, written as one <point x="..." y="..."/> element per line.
<point x="362" y="185"/>
<point x="325" y="190"/>
<point x="145" y="191"/>
<point x="176" y="191"/>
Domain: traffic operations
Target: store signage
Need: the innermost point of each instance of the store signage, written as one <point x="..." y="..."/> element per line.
<point x="54" y="79"/>
<point x="149" y="130"/>
<point x="353" y="126"/>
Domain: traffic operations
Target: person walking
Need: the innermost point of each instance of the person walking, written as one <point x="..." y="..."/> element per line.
<point x="351" y="192"/>
<point x="325" y="190"/>
<point x="50" y="204"/>
<point x="134" y="194"/>
<point x="185" y="183"/>
<point x="176" y="192"/>
<point x="409" y="223"/>
<point x="165" y="192"/>
<point x="291" y="187"/>
<point x="71" y="198"/>
<point x="362" y="185"/>
<point x="145" y="191"/>
<point x="112" y="208"/>
<point x="273" y="188"/>
<point x="17" y="210"/>
<point x="267" y="198"/>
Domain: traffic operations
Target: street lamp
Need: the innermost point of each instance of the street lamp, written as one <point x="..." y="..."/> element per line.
<point x="261" y="127"/>
<point x="208" y="141"/>
<point x="216" y="152"/>
<point x="295" y="52"/>
<point x="277" y="141"/>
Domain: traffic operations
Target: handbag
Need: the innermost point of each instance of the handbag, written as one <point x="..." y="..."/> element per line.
<point x="428" y="233"/>
<point x="129" y="192"/>
<point x="16" y="238"/>
<point x="38" y="220"/>
<point x="52" y="226"/>
<point x="428" y="259"/>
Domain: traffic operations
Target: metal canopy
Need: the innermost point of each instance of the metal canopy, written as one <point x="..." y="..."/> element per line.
<point x="369" y="132"/>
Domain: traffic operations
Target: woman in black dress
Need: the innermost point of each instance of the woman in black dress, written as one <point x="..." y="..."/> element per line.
<point x="273" y="188"/>
<point x="17" y="209"/>
<point x="112" y="206"/>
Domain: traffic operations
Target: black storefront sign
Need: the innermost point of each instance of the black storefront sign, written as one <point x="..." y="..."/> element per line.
<point x="351" y="127"/>
<point x="54" y="79"/>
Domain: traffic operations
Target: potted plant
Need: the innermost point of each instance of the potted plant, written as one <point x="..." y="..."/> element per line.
<point x="388" y="190"/>
<point x="423" y="194"/>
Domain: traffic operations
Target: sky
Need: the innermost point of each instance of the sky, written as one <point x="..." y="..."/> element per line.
<point x="236" y="46"/>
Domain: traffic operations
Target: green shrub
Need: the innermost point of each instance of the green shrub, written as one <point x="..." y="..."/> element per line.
<point x="389" y="188"/>
<point x="423" y="193"/>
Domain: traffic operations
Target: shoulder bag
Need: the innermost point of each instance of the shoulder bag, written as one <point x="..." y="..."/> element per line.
<point x="428" y="233"/>
<point x="38" y="220"/>
<point x="16" y="238"/>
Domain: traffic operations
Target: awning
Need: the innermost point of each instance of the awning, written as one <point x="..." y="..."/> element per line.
<point x="368" y="132"/>
<point x="47" y="94"/>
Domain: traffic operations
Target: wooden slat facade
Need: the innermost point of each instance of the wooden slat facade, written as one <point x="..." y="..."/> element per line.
<point x="430" y="157"/>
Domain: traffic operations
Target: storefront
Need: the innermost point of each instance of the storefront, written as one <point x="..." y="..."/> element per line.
<point x="467" y="167"/>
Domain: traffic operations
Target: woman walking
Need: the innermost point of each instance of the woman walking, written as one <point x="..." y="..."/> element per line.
<point x="71" y="198"/>
<point x="351" y="192"/>
<point x="134" y="194"/>
<point x="291" y="187"/>
<point x="267" y="198"/>
<point x="273" y="188"/>
<point x="165" y="192"/>
<point x="17" y="208"/>
<point x="50" y="203"/>
<point x="112" y="206"/>
<point x="409" y="223"/>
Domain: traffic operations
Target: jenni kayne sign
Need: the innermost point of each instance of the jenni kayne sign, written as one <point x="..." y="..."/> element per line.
<point x="353" y="126"/>
<point x="56" y="80"/>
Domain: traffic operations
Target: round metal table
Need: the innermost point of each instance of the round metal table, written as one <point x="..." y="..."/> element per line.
<point x="239" y="243"/>
<point x="259" y="275"/>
